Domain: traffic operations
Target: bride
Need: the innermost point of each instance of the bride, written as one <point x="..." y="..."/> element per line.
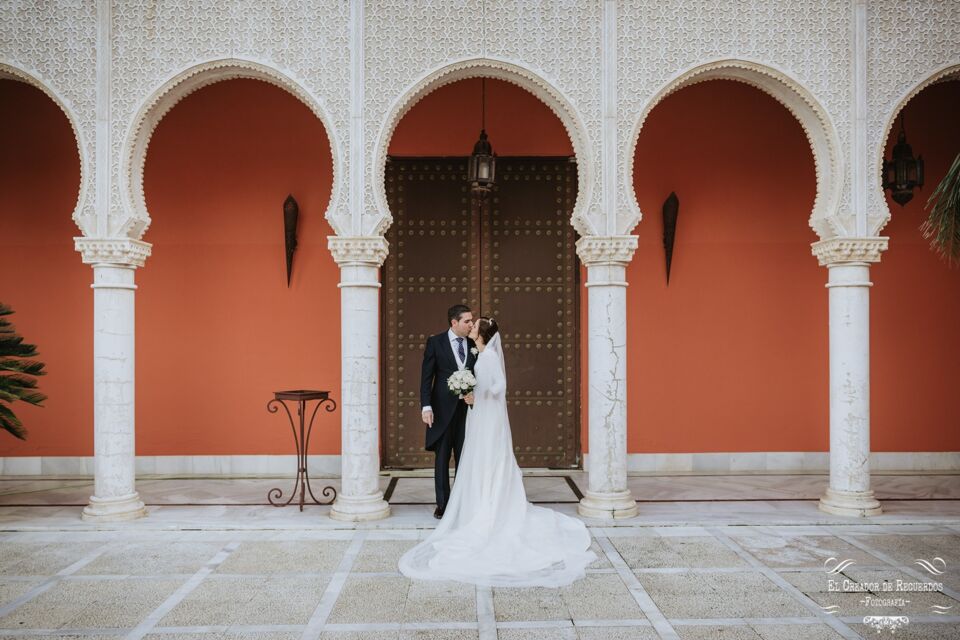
<point x="490" y="535"/>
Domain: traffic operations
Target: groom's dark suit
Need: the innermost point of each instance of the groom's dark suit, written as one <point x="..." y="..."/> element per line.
<point x="449" y="412"/>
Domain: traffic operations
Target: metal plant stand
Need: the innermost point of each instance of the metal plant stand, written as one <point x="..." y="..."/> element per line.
<point x="302" y="441"/>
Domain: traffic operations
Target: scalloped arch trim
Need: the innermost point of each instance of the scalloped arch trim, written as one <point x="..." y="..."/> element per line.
<point x="171" y="92"/>
<point x="813" y="119"/>
<point x="950" y="72"/>
<point x="10" y="72"/>
<point x="510" y="72"/>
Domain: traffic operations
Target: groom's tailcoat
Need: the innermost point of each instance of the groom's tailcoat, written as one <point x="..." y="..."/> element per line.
<point x="439" y="363"/>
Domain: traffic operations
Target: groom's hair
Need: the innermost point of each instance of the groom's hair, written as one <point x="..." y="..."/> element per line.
<point x="454" y="312"/>
<point x="487" y="328"/>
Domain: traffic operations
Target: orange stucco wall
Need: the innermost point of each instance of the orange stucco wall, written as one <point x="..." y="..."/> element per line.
<point x="915" y="300"/>
<point x="731" y="356"/>
<point x="41" y="276"/>
<point x="218" y="330"/>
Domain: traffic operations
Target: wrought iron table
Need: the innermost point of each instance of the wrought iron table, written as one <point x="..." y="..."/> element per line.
<point x="302" y="441"/>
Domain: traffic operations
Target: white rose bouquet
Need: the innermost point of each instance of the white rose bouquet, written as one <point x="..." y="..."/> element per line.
<point x="461" y="383"/>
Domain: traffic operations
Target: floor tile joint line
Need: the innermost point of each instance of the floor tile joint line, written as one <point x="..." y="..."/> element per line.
<point x="151" y="621"/>
<point x="806" y="601"/>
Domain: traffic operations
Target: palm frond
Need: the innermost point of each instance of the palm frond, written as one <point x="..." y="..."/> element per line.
<point x="17" y="373"/>
<point x="33" y="397"/>
<point x="17" y="380"/>
<point x="26" y="367"/>
<point x="10" y="423"/>
<point x="942" y="226"/>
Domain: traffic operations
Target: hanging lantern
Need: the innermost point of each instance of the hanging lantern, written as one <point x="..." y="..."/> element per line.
<point x="482" y="166"/>
<point x="904" y="172"/>
<point x="481" y="169"/>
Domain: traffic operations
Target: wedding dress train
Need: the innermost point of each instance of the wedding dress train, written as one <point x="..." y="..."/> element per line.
<point x="490" y="535"/>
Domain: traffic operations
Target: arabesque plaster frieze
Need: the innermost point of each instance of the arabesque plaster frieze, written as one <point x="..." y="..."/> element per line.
<point x="52" y="46"/>
<point x="799" y="52"/>
<point x="490" y="68"/>
<point x="909" y="47"/>
<point x="177" y="88"/>
<point x="118" y="251"/>
<point x="843" y="250"/>
<point x="802" y="53"/>
<point x="552" y="49"/>
<point x="301" y="45"/>
<point x="594" y="250"/>
<point x="358" y="249"/>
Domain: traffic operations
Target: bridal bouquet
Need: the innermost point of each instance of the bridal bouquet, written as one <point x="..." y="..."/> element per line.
<point x="461" y="383"/>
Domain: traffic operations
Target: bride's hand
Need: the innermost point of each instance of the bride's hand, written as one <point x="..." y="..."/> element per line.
<point x="468" y="398"/>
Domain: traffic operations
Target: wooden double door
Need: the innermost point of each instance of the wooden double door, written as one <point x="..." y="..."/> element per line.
<point x="512" y="258"/>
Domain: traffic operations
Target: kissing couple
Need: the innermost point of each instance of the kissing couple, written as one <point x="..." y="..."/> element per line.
<point x="489" y="534"/>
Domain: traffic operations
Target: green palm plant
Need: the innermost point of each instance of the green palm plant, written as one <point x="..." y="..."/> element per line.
<point x="943" y="221"/>
<point x="17" y="374"/>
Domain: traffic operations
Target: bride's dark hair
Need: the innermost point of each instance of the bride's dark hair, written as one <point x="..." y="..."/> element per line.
<point x="487" y="328"/>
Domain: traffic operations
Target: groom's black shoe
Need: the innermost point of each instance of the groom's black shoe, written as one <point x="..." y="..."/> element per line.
<point x="438" y="513"/>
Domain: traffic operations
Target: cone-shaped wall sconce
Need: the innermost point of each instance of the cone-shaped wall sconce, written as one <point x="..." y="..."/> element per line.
<point x="670" y="209"/>
<point x="291" y="212"/>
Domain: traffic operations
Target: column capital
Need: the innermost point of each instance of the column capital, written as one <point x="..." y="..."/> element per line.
<point x="116" y="251"/>
<point x="848" y="249"/>
<point x="606" y="250"/>
<point x="367" y="250"/>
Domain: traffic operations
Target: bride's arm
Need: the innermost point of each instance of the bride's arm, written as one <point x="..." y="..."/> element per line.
<point x="494" y="384"/>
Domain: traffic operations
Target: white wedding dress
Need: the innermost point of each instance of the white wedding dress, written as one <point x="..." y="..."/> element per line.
<point x="490" y="535"/>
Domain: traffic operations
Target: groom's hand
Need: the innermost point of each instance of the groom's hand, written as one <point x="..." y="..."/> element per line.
<point x="427" y="417"/>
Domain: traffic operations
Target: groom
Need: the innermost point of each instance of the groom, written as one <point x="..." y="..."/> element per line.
<point x="444" y="413"/>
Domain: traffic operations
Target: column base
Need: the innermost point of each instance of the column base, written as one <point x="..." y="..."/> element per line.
<point x="360" y="508"/>
<point x="118" y="509"/>
<point x="616" y="505"/>
<point x="850" y="503"/>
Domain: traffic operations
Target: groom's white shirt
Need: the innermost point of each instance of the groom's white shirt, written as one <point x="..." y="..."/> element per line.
<point x="452" y="337"/>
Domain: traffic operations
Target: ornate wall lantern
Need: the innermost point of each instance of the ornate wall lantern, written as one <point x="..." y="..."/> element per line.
<point x="904" y="172"/>
<point x="481" y="168"/>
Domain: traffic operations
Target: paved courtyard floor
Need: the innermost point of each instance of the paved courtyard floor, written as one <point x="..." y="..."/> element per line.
<point x="729" y="557"/>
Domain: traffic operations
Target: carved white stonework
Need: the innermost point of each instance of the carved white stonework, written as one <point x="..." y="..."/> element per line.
<point x="164" y="98"/>
<point x="114" y="495"/>
<point x="552" y="49"/>
<point x="164" y="50"/>
<point x="52" y="46"/>
<point x="363" y="249"/>
<point x="123" y="251"/>
<point x="820" y="132"/>
<point x="798" y="52"/>
<point x="909" y="45"/>
<point x="360" y="497"/>
<point x="606" y="259"/>
<point x="114" y="262"/>
<point x="848" y="262"/>
<point x="501" y="70"/>
<point x="849" y="285"/>
<point x="838" y="250"/>
<point x="843" y="68"/>
<point x="604" y="249"/>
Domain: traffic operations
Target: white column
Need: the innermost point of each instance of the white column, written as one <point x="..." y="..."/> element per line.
<point x="848" y="261"/>
<point x="114" y="260"/>
<point x="360" y="259"/>
<point x="606" y="259"/>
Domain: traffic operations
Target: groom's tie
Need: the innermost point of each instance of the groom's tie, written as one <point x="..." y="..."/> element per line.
<point x="460" y="352"/>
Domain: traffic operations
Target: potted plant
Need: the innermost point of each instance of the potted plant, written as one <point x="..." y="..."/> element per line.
<point x="17" y="374"/>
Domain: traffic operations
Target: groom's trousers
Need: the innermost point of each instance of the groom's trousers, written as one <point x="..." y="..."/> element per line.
<point x="450" y="442"/>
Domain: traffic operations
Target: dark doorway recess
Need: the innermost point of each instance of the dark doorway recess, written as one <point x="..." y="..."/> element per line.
<point x="512" y="258"/>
